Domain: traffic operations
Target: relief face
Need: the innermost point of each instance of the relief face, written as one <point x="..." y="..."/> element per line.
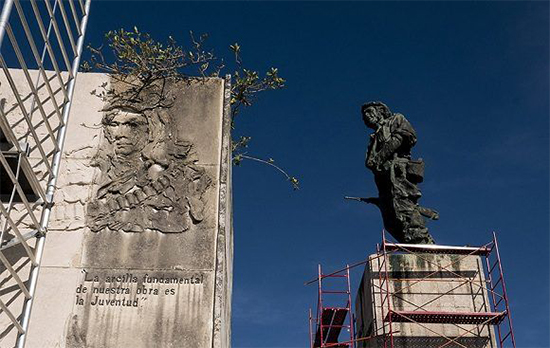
<point x="148" y="180"/>
<point x="127" y="131"/>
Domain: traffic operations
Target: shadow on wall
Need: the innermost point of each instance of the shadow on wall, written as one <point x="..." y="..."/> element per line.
<point x="10" y="291"/>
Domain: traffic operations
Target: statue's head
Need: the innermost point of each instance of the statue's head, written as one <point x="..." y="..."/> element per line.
<point x="374" y="113"/>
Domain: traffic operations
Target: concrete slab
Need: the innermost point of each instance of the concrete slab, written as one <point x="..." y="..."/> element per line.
<point x="139" y="249"/>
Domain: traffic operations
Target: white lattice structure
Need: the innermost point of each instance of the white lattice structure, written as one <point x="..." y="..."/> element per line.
<point x="41" y="44"/>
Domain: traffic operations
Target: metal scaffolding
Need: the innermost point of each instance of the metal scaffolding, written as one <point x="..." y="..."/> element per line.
<point x="496" y="314"/>
<point x="40" y="61"/>
<point x="331" y="314"/>
<point x="486" y="285"/>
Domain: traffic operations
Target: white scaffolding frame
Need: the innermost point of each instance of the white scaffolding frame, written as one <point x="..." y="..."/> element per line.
<point x="31" y="147"/>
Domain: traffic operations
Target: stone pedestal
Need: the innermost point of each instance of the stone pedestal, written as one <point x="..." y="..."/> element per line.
<point x="139" y="247"/>
<point x="420" y="283"/>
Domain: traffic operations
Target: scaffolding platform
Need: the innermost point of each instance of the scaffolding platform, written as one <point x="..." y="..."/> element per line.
<point x="332" y="321"/>
<point x="437" y="249"/>
<point x="475" y="318"/>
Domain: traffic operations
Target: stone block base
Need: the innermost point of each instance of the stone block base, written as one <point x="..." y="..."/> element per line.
<point x="422" y="283"/>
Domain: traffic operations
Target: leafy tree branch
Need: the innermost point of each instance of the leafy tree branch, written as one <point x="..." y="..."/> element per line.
<point x="144" y="65"/>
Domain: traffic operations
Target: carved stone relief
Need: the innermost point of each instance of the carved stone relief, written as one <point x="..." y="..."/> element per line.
<point x="148" y="179"/>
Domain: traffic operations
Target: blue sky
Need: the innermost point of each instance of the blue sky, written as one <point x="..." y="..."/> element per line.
<point x="472" y="78"/>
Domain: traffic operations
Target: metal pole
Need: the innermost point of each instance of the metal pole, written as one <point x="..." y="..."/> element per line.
<point x="310" y="330"/>
<point x="492" y="290"/>
<point x="508" y="314"/>
<point x="353" y="265"/>
<point x="350" y="310"/>
<point x="53" y="178"/>
<point x="389" y="294"/>
<point x="4" y="18"/>
<point x="380" y="261"/>
<point x="320" y="311"/>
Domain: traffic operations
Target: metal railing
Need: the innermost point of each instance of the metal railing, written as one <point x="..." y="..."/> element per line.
<point x="41" y="45"/>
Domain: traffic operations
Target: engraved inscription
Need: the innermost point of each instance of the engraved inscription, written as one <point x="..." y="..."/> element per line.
<point x="130" y="290"/>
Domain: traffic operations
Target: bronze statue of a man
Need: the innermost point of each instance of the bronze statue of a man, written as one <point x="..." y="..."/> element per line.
<point x="396" y="174"/>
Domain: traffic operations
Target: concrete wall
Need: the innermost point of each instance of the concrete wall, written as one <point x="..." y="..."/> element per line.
<point x="443" y="291"/>
<point x="139" y="250"/>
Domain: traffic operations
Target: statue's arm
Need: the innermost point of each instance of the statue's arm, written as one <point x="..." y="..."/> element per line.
<point x="402" y="133"/>
<point x="405" y="129"/>
<point x="377" y="155"/>
<point x="389" y="147"/>
<point x="369" y="158"/>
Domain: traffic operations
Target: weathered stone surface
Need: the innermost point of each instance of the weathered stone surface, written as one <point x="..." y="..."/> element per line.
<point x="141" y="308"/>
<point x="139" y="248"/>
<point x="455" y="283"/>
<point x="53" y="306"/>
<point x="221" y="335"/>
<point x="204" y="99"/>
<point x="87" y="119"/>
<point x="63" y="249"/>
